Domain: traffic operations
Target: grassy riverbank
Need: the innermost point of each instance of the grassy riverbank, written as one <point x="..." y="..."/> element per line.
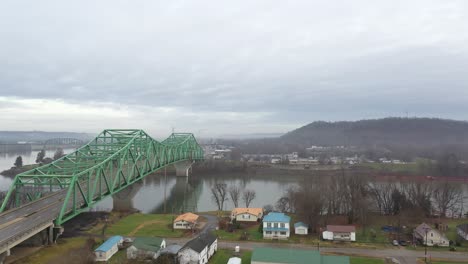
<point x="158" y="225"/>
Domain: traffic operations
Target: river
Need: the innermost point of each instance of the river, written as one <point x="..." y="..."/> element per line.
<point x="157" y="193"/>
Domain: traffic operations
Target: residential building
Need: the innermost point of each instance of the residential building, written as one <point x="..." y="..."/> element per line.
<point x="340" y="233"/>
<point x="301" y="229"/>
<point x="247" y="214"/>
<point x="198" y="250"/>
<point x="276" y="226"/>
<point x="169" y="254"/>
<point x="462" y="231"/>
<point x="105" y="251"/>
<point x="294" y="256"/>
<point x="146" y="248"/>
<point x="186" y="221"/>
<point x="430" y="236"/>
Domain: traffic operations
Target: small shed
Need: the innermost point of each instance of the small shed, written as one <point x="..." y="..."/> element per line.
<point x="146" y="248"/>
<point x="105" y="251"/>
<point x="301" y="229"/>
<point x="234" y="260"/>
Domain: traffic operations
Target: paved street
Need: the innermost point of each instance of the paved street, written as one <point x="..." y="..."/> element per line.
<point x="17" y="221"/>
<point x="405" y="256"/>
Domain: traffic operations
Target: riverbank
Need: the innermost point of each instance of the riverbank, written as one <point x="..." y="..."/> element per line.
<point x="13" y="171"/>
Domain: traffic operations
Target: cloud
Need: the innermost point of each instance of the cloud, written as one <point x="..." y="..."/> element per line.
<point x="235" y="67"/>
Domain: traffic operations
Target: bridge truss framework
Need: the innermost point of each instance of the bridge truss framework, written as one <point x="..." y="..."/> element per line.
<point x="115" y="159"/>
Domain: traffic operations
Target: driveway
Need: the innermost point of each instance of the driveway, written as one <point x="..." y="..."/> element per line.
<point x="211" y="224"/>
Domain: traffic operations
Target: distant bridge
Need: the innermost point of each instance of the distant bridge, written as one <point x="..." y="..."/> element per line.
<point x="63" y="141"/>
<point x="61" y="190"/>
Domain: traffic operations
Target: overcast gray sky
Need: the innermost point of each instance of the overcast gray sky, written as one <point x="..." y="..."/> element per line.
<point x="228" y="67"/>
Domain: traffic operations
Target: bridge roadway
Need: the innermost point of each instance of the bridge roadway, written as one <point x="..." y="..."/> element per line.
<point x="19" y="224"/>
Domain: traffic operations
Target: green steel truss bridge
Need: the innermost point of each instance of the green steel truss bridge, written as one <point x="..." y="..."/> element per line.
<point x="115" y="159"/>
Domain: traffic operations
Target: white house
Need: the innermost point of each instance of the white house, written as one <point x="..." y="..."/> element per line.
<point x="146" y="248"/>
<point x="462" y="231"/>
<point x="301" y="229"/>
<point x="198" y="250"/>
<point x="186" y="221"/>
<point x="276" y="226"/>
<point x="340" y="233"/>
<point x="247" y="214"/>
<point x="424" y="233"/>
<point x="105" y="251"/>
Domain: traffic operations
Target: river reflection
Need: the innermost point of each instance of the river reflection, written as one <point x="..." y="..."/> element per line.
<point x="155" y="194"/>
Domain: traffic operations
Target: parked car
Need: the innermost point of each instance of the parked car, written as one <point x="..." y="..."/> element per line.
<point x="403" y="243"/>
<point x="395" y="243"/>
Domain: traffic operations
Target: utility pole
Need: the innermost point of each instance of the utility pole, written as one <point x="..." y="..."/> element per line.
<point x="425" y="248"/>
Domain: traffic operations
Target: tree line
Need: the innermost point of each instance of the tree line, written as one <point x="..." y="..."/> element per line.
<point x="220" y="194"/>
<point x="317" y="199"/>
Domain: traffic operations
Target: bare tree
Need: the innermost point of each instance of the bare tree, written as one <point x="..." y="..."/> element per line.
<point x="58" y="154"/>
<point x="234" y="193"/>
<point x="419" y="195"/>
<point x="248" y="196"/>
<point x="219" y="194"/>
<point x="383" y="196"/>
<point x="282" y="204"/>
<point x="446" y="196"/>
<point x="310" y="202"/>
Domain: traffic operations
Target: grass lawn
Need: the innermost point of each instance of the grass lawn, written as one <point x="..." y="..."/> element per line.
<point x="65" y="247"/>
<point x="364" y="260"/>
<point x="145" y="225"/>
<point x="252" y="233"/>
<point x="411" y="168"/>
<point x="368" y="235"/>
<point x="222" y="256"/>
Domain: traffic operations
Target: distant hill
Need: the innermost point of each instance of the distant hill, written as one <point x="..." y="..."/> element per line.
<point x="398" y="137"/>
<point x="38" y="136"/>
<point x="381" y="132"/>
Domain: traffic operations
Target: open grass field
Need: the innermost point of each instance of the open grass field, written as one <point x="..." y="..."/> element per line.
<point x="364" y="260"/>
<point x="408" y="168"/>
<point x="66" y="248"/>
<point x="144" y="225"/>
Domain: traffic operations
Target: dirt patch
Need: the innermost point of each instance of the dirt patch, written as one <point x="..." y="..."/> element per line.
<point x="83" y="222"/>
<point x="140" y="226"/>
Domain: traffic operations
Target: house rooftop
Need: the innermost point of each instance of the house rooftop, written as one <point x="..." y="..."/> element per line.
<point x="341" y="228"/>
<point x="106" y="246"/>
<point x="199" y="243"/>
<point x="252" y="211"/>
<point x="300" y="224"/>
<point x="277" y="217"/>
<point x="148" y="243"/>
<point x="188" y="217"/>
<point x="295" y="256"/>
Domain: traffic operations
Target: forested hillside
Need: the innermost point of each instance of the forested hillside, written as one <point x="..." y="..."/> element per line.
<point x="398" y="137"/>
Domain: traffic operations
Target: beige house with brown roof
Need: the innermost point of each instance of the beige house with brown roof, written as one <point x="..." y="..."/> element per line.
<point x="247" y="214"/>
<point x="186" y="221"/>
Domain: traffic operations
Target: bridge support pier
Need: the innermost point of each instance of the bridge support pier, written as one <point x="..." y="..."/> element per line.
<point x="183" y="167"/>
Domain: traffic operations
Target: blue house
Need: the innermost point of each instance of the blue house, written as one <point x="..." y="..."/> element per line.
<point x="105" y="251"/>
<point x="276" y="226"/>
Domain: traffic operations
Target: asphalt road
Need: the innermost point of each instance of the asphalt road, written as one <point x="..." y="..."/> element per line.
<point x="16" y="221"/>
<point x="405" y="256"/>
